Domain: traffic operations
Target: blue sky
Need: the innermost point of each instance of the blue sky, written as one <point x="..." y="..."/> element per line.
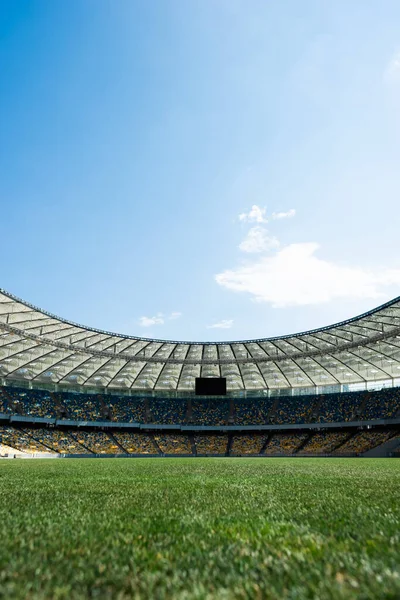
<point x="203" y="170"/>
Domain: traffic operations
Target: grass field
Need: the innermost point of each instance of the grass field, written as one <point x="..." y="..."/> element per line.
<point x="200" y="528"/>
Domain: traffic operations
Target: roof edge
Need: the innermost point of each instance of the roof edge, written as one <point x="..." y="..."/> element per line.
<point x="227" y="342"/>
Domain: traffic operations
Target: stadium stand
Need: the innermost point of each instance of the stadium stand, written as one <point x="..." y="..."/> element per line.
<point x="80" y="408"/>
<point x="30" y="403"/>
<point x="285" y="443"/>
<point x="4" y="408"/>
<point x="250" y="412"/>
<point x="209" y="412"/>
<point x="324" y="442"/>
<point x="339" y="407"/>
<point x="20" y="440"/>
<point x="211" y="444"/>
<point x="126" y="410"/>
<point x="134" y="443"/>
<point x="167" y="411"/>
<point x="363" y="441"/>
<point x="247" y="444"/>
<point x="173" y="444"/>
<point x="294" y="410"/>
<point x="79" y="442"/>
<point x="25" y="406"/>
<point x="97" y="442"/>
<point x="57" y="441"/>
<point x="327" y="408"/>
<point x="386" y="402"/>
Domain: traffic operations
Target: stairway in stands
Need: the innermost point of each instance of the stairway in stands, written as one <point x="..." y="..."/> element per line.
<point x="62" y="412"/>
<point x="265" y="444"/>
<point x="147" y="412"/>
<point x="192" y="444"/>
<point x="74" y="437"/>
<point x="154" y="442"/>
<point x="105" y="409"/>
<point x="114" y="439"/>
<point x="303" y="443"/>
<point x="4" y="403"/>
<point x="189" y="411"/>
<point x="346" y="439"/>
<point x="231" y="412"/>
<point x="272" y="411"/>
<point x="359" y="410"/>
<point x="12" y="403"/>
<point x="31" y="433"/>
<point x="314" y="414"/>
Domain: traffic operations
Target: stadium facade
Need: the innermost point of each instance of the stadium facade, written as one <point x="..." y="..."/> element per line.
<point x="70" y="389"/>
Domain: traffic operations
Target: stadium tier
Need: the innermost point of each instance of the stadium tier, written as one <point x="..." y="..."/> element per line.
<point x="73" y="390"/>
<point x="97" y="443"/>
<point x="328" y="408"/>
<point x="286" y="444"/>
<point x="209" y="445"/>
<point x="173" y="444"/>
<point x="134" y="443"/>
<point x="246" y="444"/>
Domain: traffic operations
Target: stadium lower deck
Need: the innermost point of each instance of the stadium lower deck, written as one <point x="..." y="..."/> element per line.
<point x="73" y="424"/>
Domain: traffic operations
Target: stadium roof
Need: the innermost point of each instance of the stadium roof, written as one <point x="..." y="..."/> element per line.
<point x="39" y="347"/>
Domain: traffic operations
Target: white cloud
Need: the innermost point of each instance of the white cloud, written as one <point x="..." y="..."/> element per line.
<point x="224" y="324"/>
<point x="258" y="240"/>
<point x="158" y="319"/>
<point x="295" y="276"/>
<point x="149" y="321"/>
<point x="175" y="315"/>
<point x="392" y="71"/>
<point x="284" y="215"/>
<point x="256" y="215"/>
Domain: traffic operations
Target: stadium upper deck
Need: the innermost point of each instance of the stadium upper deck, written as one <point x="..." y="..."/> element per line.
<point x="41" y="348"/>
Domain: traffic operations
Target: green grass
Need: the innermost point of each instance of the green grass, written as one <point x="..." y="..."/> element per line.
<point x="200" y="528"/>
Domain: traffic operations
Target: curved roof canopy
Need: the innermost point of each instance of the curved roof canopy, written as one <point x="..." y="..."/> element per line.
<point x="39" y="347"/>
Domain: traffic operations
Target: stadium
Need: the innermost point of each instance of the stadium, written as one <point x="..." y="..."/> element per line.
<point x="200" y="300"/>
<point x="69" y="390"/>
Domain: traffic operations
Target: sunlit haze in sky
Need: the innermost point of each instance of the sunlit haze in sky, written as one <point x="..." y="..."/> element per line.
<point x="203" y="169"/>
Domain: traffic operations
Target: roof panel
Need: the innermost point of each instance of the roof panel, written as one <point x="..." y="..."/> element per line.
<point x="38" y="346"/>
